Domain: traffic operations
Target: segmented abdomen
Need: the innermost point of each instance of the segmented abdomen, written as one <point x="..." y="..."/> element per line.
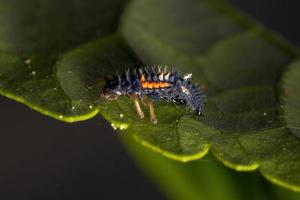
<point x="160" y="84"/>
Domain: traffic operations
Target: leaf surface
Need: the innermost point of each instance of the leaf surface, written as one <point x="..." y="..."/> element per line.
<point x="33" y="36"/>
<point x="59" y="70"/>
<point x="291" y="96"/>
<point x="239" y="62"/>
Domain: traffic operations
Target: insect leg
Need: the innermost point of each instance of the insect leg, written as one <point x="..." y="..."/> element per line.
<point x="153" y="118"/>
<point x="137" y="106"/>
<point x="152" y="113"/>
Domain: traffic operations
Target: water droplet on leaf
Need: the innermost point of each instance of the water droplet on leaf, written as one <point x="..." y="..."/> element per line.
<point x="114" y="126"/>
<point x="265" y="114"/>
<point x="27" y="61"/>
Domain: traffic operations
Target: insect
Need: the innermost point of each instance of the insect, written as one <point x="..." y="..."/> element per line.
<point x="146" y="84"/>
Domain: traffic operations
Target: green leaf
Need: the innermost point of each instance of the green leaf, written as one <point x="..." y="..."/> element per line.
<point x="59" y="69"/>
<point x="203" y="179"/>
<point x="239" y="62"/>
<point x="291" y="98"/>
<point x="33" y="36"/>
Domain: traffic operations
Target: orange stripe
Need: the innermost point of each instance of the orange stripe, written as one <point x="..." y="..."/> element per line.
<point x="156" y="85"/>
<point x="151" y="85"/>
<point x="164" y="84"/>
<point x="144" y="84"/>
<point x="143" y="78"/>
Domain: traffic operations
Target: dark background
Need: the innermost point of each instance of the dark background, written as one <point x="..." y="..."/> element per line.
<point x="42" y="158"/>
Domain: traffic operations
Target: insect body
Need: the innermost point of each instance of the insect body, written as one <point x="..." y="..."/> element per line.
<point x="155" y="84"/>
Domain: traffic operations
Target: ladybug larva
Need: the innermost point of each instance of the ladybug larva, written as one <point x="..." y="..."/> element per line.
<point x="156" y="84"/>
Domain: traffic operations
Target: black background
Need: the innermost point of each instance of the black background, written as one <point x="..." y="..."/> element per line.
<point x="42" y="158"/>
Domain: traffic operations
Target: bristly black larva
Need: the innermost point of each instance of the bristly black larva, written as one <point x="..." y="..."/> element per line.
<point x="157" y="84"/>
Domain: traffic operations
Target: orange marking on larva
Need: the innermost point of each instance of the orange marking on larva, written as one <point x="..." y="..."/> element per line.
<point x="156" y="85"/>
<point x="161" y="84"/>
<point x="153" y="85"/>
<point x="144" y="84"/>
<point x="143" y="78"/>
<point x="164" y="84"/>
<point x="150" y="85"/>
